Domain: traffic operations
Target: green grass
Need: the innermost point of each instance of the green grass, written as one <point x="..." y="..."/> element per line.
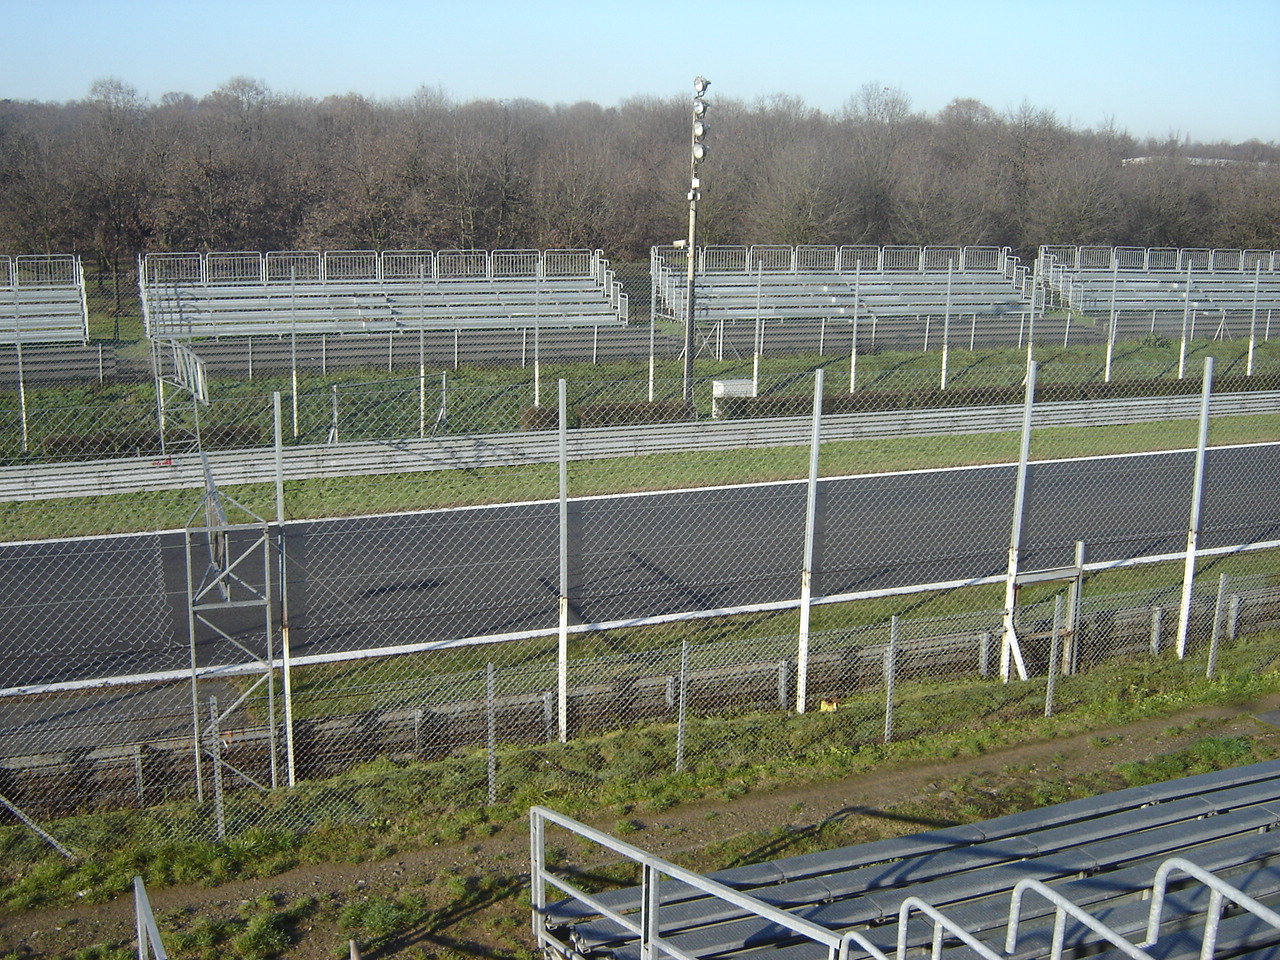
<point x="384" y="807"/>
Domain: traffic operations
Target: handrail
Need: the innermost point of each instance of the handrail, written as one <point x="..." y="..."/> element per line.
<point x="1063" y="909"/>
<point x="148" y="933"/>
<point x="941" y="922"/>
<point x="653" y="869"/>
<point x="1221" y="890"/>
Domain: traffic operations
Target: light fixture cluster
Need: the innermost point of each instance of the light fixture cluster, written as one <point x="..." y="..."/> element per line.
<point x="700" y="128"/>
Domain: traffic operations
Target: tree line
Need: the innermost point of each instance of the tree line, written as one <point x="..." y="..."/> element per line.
<point x="245" y="168"/>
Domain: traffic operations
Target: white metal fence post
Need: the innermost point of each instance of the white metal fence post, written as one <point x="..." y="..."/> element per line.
<point x="1010" y="649"/>
<point x="806" y="575"/>
<point x="1197" y="499"/>
<point x="286" y="657"/>
<point x="562" y="655"/>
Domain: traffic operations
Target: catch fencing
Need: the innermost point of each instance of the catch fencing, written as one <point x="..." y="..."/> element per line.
<point x="605" y="619"/>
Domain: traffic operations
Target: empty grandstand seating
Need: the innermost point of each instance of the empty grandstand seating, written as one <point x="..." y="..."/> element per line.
<point x="1103" y="855"/>
<point x="1156" y="289"/>
<point x="191" y="295"/>
<point x="840" y="283"/>
<point x="42" y="300"/>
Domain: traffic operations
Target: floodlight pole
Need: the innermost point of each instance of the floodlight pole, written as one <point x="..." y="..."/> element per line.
<point x="697" y="151"/>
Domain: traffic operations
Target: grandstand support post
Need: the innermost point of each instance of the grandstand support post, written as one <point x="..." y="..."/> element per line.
<point x="286" y="657"/>
<point x="1186" y="317"/>
<point x="810" y="523"/>
<point x="537" y="367"/>
<point x="1253" y="319"/>
<point x="1111" y="325"/>
<point x="1010" y="648"/>
<point x="562" y="647"/>
<point x="1193" y="526"/>
<point x="946" y="328"/>
<point x="853" y="346"/>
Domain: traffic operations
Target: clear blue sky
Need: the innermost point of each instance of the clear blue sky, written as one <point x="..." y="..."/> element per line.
<point x="1205" y="70"/>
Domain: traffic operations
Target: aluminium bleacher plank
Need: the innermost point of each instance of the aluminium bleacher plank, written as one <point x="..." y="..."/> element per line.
<point x="843" y="859"/>
<point x="727" y="936"/>
<point x="1252" y="855"/>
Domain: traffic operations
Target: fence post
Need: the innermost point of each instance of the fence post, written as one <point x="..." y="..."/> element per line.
<point x="1197" y="497"/>
<point x="1055" y="650"/>
<point x="1216" y="635"/>
<point x="984" y="654"/>
<point x="806" y="575"/>
<point x="215" y="746"/>
<point x="890" y="677"/>
<point x="946" y="328"/>
<point x="682" y="704"/>
<point x="1157" y="620"/>
<point x="491" y="732"/>
<point x="286" y="659"/>
<point x="1010" y="650"/>
<point x="562" y="656"/>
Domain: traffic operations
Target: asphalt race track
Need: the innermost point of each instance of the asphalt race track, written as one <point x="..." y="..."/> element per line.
<point x="117" y="606"/>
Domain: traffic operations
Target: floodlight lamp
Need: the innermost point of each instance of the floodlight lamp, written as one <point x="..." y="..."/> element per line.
<point x="699" y="107"/>
<point x="699" y="151"/>
<point x="700" y="129"/>
<point x="700" y="85"/>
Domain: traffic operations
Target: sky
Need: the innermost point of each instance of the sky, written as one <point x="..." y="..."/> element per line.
<point x="1206" y="71"/>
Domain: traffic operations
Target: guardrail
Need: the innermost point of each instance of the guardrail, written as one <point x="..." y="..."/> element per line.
<point x="139" y="474"/>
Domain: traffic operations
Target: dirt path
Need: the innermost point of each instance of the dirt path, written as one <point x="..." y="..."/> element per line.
<point x="472" y="888"/>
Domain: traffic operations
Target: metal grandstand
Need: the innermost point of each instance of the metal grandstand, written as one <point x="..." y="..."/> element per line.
<point x="42" y="300"/>
<point x="1165" y="290"/>
<point x="194" y="295"/>
<point x="839" y="283"/>
<point x="1173" y="871"/>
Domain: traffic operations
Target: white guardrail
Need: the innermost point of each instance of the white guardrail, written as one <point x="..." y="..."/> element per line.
<point x="230" y="467"/>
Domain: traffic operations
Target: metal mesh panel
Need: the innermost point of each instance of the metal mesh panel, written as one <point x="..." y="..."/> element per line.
<point x="234" y="268"/>
<point x="854" y="258"/>
<point x="287" y="266"/>
<point x="771" y="259"/>
<point x="408" y="264"/>
<point x="1131" y="258"/>
<point x="351" y="265"/>
<point x="1095" y="258"/>
<point x="462" y="264"/>
<point x="817" y="259"/>
<point x="515" y="263"/>
<point x="938" y="259"/>
<point x="567" y="263"/>
<point x="984" y="258"/>
<point x="719" y="259"/>
<point x="1194" y="259"/>
<point x="1226" y="260"/>
<point x="6" y="272"/>
<point x="901" y="258"/>
<point x="45" y="271"/>
<point x="161" y="268"/>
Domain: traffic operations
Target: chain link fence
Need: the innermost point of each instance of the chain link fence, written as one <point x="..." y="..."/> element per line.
<point x="284" y="656"/>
